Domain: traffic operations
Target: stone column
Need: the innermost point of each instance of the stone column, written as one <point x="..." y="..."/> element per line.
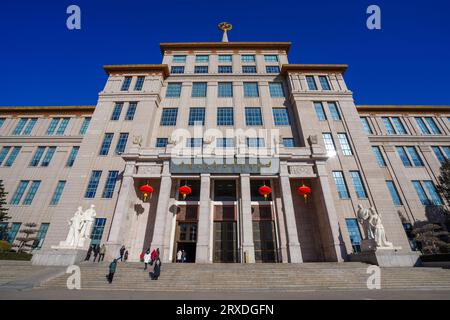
<point x="162" y="211"/>
<point x="204" y="221"/>
<point x="248" y="247"/>
<point x="293" y="244"/>
<point x="328" y="203"/>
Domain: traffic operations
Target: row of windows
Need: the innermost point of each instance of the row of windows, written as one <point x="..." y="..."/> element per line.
<point x="312" y="84"/>
<point x="117" y="111"/>
<point x="42" y="156"/>
<point x="94" y="181"/>
<point x="107" y="141"/>
<point x="57" y="126"/>
<point x="333" y="109"/>
<point x="203" y="58"/>
<point x="14" y="230"/>
<point x="395" y="126"/>
<point x="331" y="147"/>
<point x="127" y="83"/>
<point x="410" y="156"/>
<point x="225" y="142"/>
<point x="225" y="89"/>
<point x="225" y="116"/>
<point x="26" y="191"/>
<point x="430" y="198"/>
<point x="341" y="185"/>
<point x="223" y="69"/>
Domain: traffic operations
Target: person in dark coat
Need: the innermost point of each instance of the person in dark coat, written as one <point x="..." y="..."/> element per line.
<point x="96" y="253"/>
<point x="88" y="255"/>
<point x="125" y="257"/>
<point x="156" y="269"/>
<point x="112" y="270"/>
<point x="122" y="252"/>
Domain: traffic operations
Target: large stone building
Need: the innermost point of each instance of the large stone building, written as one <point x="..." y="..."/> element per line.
<point x="224" y="118"/>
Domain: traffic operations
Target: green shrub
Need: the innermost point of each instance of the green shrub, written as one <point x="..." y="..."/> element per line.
<point x="21" y="256"/>
<point x="5" y="246"/>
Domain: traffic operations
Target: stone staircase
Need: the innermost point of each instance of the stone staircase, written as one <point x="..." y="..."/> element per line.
<point x="22" y="275"/>
<point x="256" y="277"/>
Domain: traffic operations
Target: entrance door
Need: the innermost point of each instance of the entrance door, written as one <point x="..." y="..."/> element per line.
<point x="225" y="242"/>
<point x="264" y="233"/>
<point x="187" y="240"/>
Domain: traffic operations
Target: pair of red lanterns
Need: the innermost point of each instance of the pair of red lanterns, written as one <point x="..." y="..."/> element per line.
<point x="303" y="190"/>
<point x="148" y="190"/>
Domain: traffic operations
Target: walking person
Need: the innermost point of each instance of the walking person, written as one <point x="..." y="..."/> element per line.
<point x="122" y="252"/>
<point x="184" y="256"/>
<point x="154" y="255"/>
<point x="112" y="270"/>
<point x="156" y="269"/>
<point x="125" y="257"/>
<point x="96" y="253"/>
<point x="102" y="253"/>
<point x="147" y="258"/>
<point x="88" y="255"/>
<point x="179" y="256"/>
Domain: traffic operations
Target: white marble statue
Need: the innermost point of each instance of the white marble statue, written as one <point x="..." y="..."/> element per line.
<point x="364" y="219"/>
<point x="80" y="228"/>
<point x="74" y="227"/>
<point x="379" y="233"/>
<point x="87" y="223"/>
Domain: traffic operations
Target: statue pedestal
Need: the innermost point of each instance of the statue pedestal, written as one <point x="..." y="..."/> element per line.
<point x="59" y="256"/>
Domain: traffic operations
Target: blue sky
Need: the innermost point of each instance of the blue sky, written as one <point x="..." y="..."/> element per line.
<point x="43" y="63"/>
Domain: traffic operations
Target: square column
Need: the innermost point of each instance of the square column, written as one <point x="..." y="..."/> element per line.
<point x="248" y="247"/>
<point x="293" y="244"/>
<point x="204" y="221"/>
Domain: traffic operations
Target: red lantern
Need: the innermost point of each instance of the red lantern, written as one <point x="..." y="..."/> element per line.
<point x="185" y="191"/>
<point x="304" y="191"/>
<point x="146" y="190"/>
<point x="265" y="191"/>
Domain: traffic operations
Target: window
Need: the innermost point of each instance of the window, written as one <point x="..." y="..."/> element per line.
<point x="48" y="156"/>
<point x="225" y="58"/>
<point x="30" y="125"/>
<point x="26" y="123"/>
<point x="329" y="144"/>
<point x="253" y="117"/>
<point x="272" y="69"/>
<point x="354" y="234"/>
<point x="91" y="189"/>
<point x="13" y="232"/>
<point x="126" y="84"/>
<point x="388" y="126"/>
<point x="177" y="69"/>
<point x="435" y="197"/>
<point x="398" y="125"/>
<point x="225" y="89"/>
<point x="2" y="121"/>
<point x="199" y="89"/>
<point x="196" y="117"/>
<point x="345" y="145"/>
<point x="110" y="185"/>
<point x="394" y="193"/>
<point x="358" y="184"/>
<point x="37" y="157"/>
<point x="417" y="161"/>
<point x="20" y="125"/>
<point x="288" y="142"/>
<point x="248" y="58"/>
<point x="12" y="157"/>
<point x="169" y="117"/>
<point x="40" y="237"/>
<point x="162" y="142"/>
<point x="439" y="154"/>
<point x="117" y="111"/>
<point x="270" y="58"/>
<point x="97" y="231"/>
<point x="3" y="154"/>
<point x="202" y="58"/>
<point x="122" y="143"/>
<point x="248" y="69"/>
<point x="251" y="89"/>
<point x="179" y="59"/>
<point x="201" y="69"/>
<point x="139" y="84"/>
<point x="225" y="117"/>
<point x="62" y="127"/>
<point x="324" y="83"/>
<point x="225" y="143"/>
<point x="194" y="142"/>
<point x="421" y="193"/>
<point x="19" y="192"/>
<point x="276" y="89"/>
<point x="431" y="125"/>
<point x="173" y="90"/>
<point x="281" y="117"/>
<point x="85" y="126"/>
<point x="131" y="111"/>
<point x="255" y="142"/>
<point x="403" y="156"/>
<point x="423" y="127"/>
<point x="311" y="83"/>
<point x="379" y="156"/>
<point x="413" y="159"/>
<point x="334" y="111"/>
<point x="106" y="144"/>
<point x="58" y="193"/>
<point x="225" y="69"/>
<point x="341" y="186"/>
<point x="394" y="125"/>
<point x="320" y="112"/>
<point x="52" y="127"/>
<point x="31" y="193"/>
<point x="447" y="152"/>
<point x="366" y="126"/>
<point x="72" y="156"/>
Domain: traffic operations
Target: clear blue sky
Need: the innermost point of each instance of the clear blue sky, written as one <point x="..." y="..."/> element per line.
<point x="43" y="63"/>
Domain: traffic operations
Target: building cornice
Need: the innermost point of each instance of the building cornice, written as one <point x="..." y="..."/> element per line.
<point x="402" y="108"/>
<point x="178" y="46"/>
<point x="130" y="68"/>
<point x="339" y="68"/>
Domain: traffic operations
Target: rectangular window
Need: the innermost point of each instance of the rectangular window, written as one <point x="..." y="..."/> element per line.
<point x="131" y="111"/>
<point x="20" y="125"/>
<point x="439" y="154"/>
<point x="272" y="69"/>
<point x="341" y="186"/>
<point x="417" y="161"/>
<point x="139" y="84"/>
<point x="225" y="143"/>
<point x="173" y="90"/>
<point x="162" y="142"/>
<point x="345" y="145"/>
<point x="37" y="157"/>
<point x="358" y="184"/>
<point x="251" y="89"/>
<point x="433" y="126"/>
<point x="110" y="185"/>
<point x="421" y="193"/>
<point x="276" y="89"/>
<point x="177" y="69"/>
<point x="253" y="117"/>
<point x="202" y="58"/>
<point x="388" y="125"/>
<point x="15" y="200"/>
<point x="179" y="59"/>
<point x="52" y="127"/>
<point x="329" y="144"/>
<point x="334" y="111"/>
<point x="122" y="143"/>
<point x="248" y="69"/>
<point x="194" y="142"/>
<point x="288" y="142"/>
<point x="432" y="191"/>
<point x="13" y="232"/>
<point x="422" y="126"/>
<point x="29" y="127"/>
<point x="117" y="111"/>
<point x="169" y="117"/>
<point x="3" y="154"/>
<point x="2" y="121"/>
<point x="320" y="111"/>
<point x="225" y="116"/>
<point x="403" y="156"/>
<point x="248" y="58"/>
<point x="225" y="58"/>
<point x="85" y="126"/>
<point x="255" y="142"/>
<point x="394" y="193"/>
<point x="91" y="189"/>
<point x="40" y="236"/>
<point x="366" y="126"/>
<point x="201" y="69"/>
<point x="399" y="127"/>
<point x="126" y="84"/>
<point x="196" y="117"/>
<point x="354" y="234"/>
<point x="281" y="117"/>
<point x="199" y="89"/>
<point x="379" y="156"/>
<point x="48" y="156"/>
<point x="31" y="193"/>
<point x="311" y="83"/>
<point x="72" y="156"/>
<point x="270" y="58"/>
<point x="225" y="69"/>
<point x="446" y="151"/>
<point x="97" y="231"/>
<point x="13" y="156"/>
<point x="106" y="144"/>
<point x="62" y="127"/>
<point x="225" y="89"/>
<point x="324" y="83"/>
<point x="58" y="193"/>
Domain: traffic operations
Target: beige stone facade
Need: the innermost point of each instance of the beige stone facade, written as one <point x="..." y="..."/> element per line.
<point x="225" y="219"/>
